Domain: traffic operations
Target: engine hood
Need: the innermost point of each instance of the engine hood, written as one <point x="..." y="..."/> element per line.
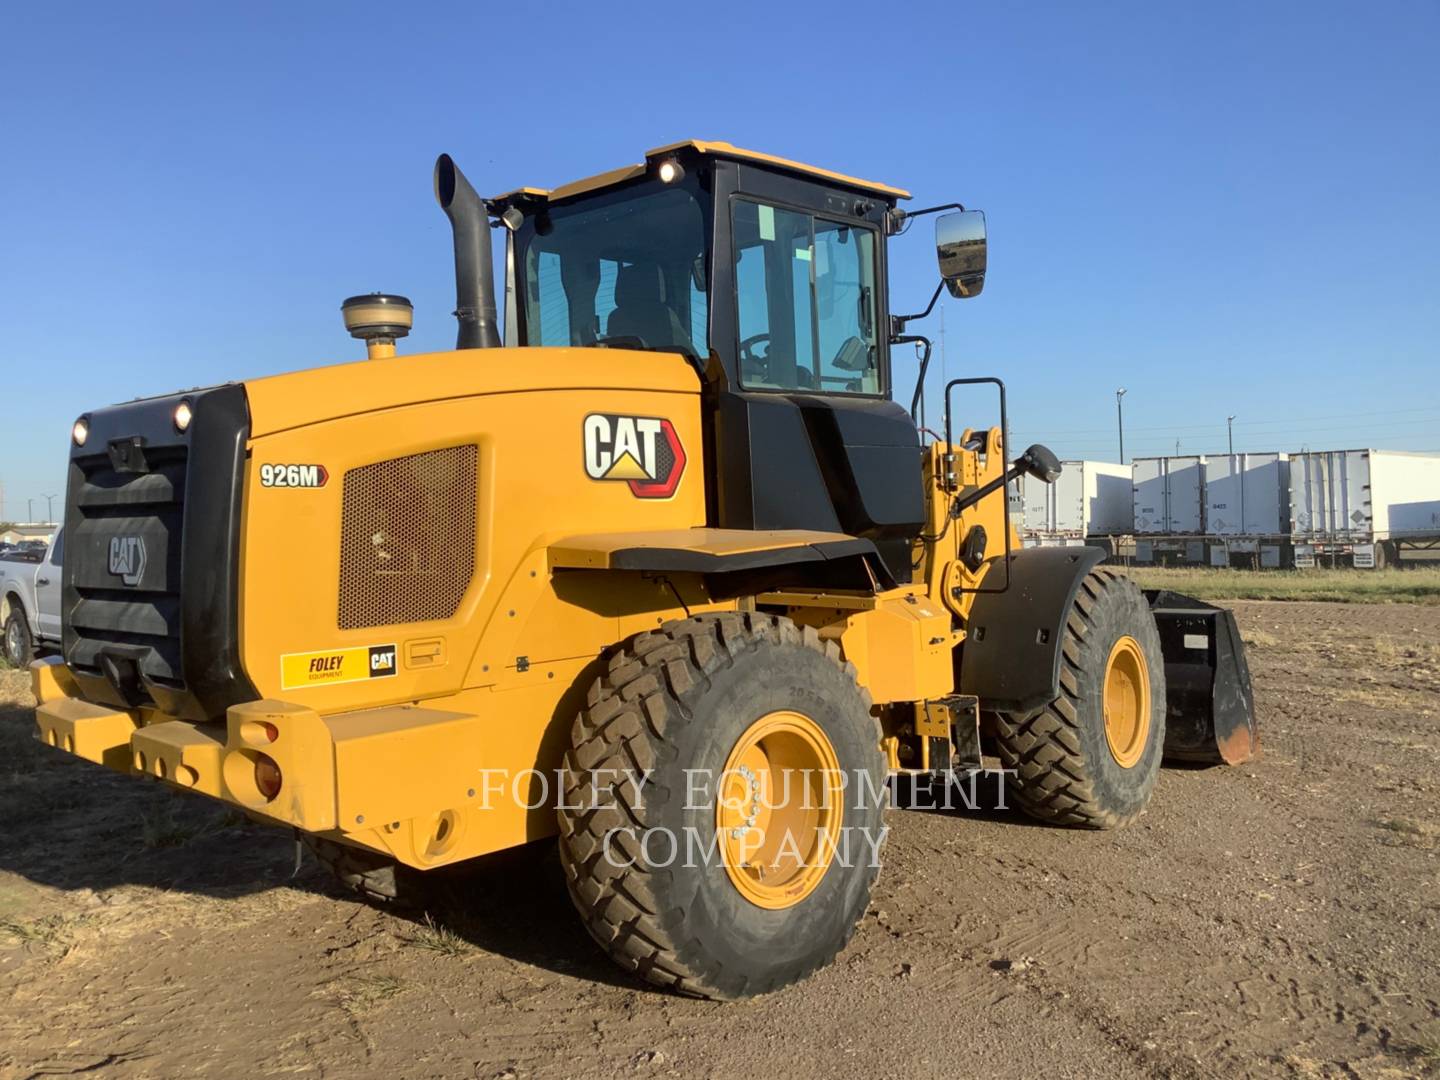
<point x="282" y="402"/>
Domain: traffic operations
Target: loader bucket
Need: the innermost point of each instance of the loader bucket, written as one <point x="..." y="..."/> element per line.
<point x="1209" y="707"/>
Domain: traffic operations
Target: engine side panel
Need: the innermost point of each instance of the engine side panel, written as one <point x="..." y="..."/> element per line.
<point x="539" y="462"/>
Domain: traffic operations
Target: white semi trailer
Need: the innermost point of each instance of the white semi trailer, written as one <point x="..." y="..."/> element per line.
<point x="1169" y="503"/>
<point x="1360" y="507"/>
<point x="1247" y="509"/>
<point x="1090" y="499"/>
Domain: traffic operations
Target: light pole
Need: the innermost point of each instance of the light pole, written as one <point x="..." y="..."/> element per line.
<point x="49" y="508"/>
<point x="1230" y="425"/>
<point x="29" y="511"/>
<point x="1120" y="421"/>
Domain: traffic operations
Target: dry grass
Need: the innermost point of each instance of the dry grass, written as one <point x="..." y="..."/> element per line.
<point x="1417" y="586"/>
<point x="438" y="938"/>
<point x="1407" y="653"/>
<point x="14" y="686"/>
<point x="1406" y="826"/>
<point x="1259" y="639"/>
<point x="179" y="821"/>
<point x="364" y="992"/>
<point x="1408" y="833"/>
<point x="51" y="933"/>
<point x="1423" y="1053"/>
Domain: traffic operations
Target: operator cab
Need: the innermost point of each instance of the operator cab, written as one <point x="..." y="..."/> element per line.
<point x="770" y="277"/>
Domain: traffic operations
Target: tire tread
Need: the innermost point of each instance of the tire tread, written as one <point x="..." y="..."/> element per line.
<point x="1052" y="780"/>
<point x="629" y="711"/>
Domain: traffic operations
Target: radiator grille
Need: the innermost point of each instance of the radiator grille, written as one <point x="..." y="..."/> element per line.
<point x="407" y="538"/>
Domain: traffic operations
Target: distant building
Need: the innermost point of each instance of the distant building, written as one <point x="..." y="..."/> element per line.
<point x="17" y="533"/>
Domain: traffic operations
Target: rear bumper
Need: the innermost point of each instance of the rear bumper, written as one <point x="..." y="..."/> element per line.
<point x="215" y="759"/>
<point x="424" y="785"/>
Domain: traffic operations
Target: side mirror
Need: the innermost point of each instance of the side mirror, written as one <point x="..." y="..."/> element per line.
<point x="960" y="249"/>
<point x="1041" y="463"/>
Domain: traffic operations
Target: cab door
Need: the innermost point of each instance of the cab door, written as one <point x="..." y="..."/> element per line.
<point x="806" y="435"/>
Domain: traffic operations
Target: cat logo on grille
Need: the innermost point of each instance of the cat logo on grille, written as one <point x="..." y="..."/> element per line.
<point x="127" y="559"/>
<point x="643" y="451"/>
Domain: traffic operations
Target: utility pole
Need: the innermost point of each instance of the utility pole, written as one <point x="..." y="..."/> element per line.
<point x="1230" y="424"/>
<point x="1120" y="421"/>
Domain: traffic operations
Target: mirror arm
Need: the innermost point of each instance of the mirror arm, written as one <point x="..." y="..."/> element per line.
<point x="1009" y="476"/>
<point x="1033" y="461"/>
<point x="897" y="322"/>
<point x="919" y="339"/>
<point x="896" y="218"/>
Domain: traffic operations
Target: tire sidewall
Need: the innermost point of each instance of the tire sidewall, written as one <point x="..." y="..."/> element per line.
<point x="754" y="948"/>
<point x="1121" y="611"/>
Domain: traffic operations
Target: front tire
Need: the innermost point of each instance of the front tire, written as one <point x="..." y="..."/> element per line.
<point x="702" y="746"/>
<point x="1091" y="757"/>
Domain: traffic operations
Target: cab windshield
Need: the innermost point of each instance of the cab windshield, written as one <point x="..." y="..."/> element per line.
<point x="628" y="271"/>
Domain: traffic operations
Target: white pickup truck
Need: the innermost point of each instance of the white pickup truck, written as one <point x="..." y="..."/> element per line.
<point x="30" y="601"/>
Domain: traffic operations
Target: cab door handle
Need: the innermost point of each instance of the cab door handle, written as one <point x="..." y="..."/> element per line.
<point x="42" y="581"/>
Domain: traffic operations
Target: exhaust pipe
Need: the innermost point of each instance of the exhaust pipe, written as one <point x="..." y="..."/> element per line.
<point x="474" y="268"/>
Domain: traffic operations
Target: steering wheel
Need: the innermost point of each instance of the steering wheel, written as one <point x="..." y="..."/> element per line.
<point x="747" y="349"/>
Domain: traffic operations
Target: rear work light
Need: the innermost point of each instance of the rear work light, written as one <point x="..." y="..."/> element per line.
<point x="267" y="776"/>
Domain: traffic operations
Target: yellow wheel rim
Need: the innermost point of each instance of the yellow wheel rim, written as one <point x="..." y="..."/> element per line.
<point x="778" y="809"/>
<point x="1127" y="702"/>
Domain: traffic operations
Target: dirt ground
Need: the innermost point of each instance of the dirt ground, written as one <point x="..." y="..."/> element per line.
<point x="1274" y="920"/>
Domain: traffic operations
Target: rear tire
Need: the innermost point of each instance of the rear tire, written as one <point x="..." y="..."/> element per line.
<point x="19" y="646"/>
<point x="1065" y="766"/>
<point x="690" y="707"/>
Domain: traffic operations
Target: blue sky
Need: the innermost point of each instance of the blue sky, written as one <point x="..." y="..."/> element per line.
<point x="1225" y="208"/>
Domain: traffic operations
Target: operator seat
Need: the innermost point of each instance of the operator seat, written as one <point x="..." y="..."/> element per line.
<point x="641" y="311"/>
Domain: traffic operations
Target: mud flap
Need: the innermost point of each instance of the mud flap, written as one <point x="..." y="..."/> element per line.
<point x="1210" y="707"/>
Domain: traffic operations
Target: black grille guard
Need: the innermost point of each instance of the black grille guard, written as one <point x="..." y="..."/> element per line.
<point x="150" y="595"/>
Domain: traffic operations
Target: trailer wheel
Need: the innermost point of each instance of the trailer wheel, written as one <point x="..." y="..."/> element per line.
<point x="379" y="879"/>
<point x="19" y="646"/>
<point x="1090" y="757"/>
<point x="723" y="805"/>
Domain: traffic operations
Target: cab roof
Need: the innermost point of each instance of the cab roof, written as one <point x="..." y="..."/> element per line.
<point x="711" y="148"/>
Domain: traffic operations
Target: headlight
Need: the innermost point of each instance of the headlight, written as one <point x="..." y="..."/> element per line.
<point x="80" y="432"/>
<point x="183" y="415"/>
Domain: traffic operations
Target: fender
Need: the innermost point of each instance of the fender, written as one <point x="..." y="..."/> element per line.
<point x="1011" y="656"/>
<point x="747" y="559"/>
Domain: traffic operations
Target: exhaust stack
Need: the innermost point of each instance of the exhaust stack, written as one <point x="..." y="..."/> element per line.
<point x="474" y="268"/>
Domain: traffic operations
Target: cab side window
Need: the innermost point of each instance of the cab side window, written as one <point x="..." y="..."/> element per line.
<point x="806" y="302"/>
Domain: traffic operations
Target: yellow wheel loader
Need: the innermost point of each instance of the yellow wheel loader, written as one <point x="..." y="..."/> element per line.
<point x="663" y="569"/>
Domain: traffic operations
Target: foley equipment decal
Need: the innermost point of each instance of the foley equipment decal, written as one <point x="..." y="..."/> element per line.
<point x="299" y="671"/>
